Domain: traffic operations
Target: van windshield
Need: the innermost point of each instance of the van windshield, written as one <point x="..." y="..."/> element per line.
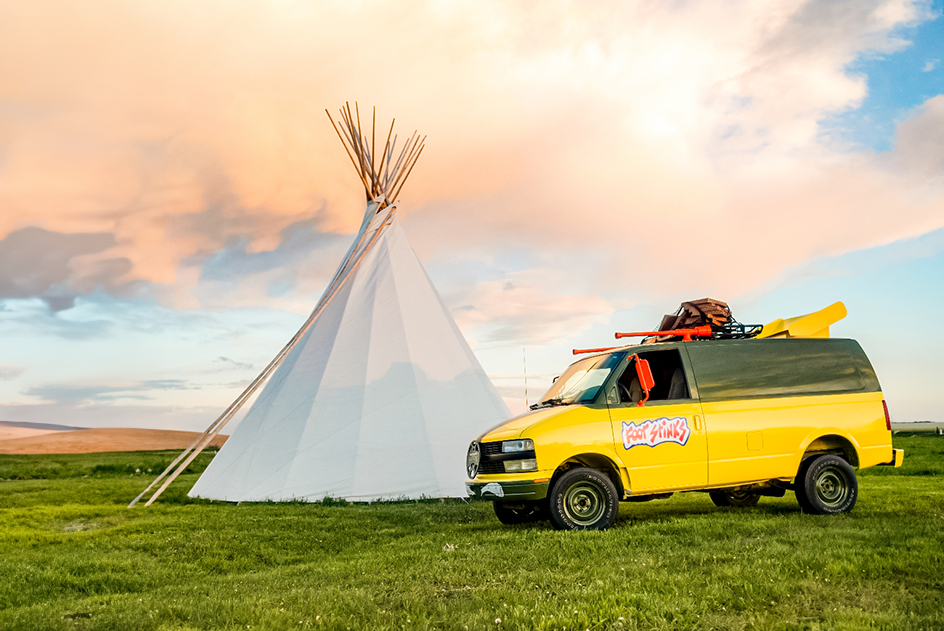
<point x="581" y="382"/>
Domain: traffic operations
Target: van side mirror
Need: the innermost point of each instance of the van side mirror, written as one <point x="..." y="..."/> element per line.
<point x="646" y="380"/>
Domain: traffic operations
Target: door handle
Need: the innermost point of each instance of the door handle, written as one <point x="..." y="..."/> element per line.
<point x="697" y="423"/>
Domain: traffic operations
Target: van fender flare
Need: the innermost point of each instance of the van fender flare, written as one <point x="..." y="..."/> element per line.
<point x="830" y="439"/>
<point x="596" y="460"/>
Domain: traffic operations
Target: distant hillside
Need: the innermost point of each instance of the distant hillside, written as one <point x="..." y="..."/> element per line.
<point x="84" y="441"/>
<point x="50" y="427"/>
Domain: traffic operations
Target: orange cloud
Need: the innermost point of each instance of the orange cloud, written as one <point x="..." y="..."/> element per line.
<point x="663" y="146"/>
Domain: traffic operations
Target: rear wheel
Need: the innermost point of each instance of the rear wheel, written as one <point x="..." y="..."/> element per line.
<point x="583" y="499"/>
<point x="520" y="512"/>
<point x="734" y="499"/>
<point x="798" y="483"/>
<point x="826" y="485"/>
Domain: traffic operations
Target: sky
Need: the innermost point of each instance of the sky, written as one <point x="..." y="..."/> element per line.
<point x="173" y="199"/>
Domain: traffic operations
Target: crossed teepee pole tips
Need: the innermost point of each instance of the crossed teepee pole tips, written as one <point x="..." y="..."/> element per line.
<point x="382" y="179"/>
<point x="386" y="177"/>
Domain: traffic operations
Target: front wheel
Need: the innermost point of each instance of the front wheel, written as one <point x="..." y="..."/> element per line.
<point x="583" y="499"/>
<point x="734" y="499"/>
<point x="826" y="485"/>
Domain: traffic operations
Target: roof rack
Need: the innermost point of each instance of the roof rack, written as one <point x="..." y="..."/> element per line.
<point x="814" y="325"/>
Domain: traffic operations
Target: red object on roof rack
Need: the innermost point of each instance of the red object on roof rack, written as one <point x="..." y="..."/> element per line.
<point x="581" y="351"/>
<point x="685" y="334"/>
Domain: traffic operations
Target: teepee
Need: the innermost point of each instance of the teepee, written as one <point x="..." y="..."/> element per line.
<point x="378" y="394"/>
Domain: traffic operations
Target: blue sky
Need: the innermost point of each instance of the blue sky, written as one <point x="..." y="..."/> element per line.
<point x="898" y="82"/>
<point x="892" y="293"/>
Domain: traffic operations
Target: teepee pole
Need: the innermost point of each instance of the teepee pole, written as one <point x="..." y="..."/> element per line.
<point x="169" y="468"/>
<point x="204" y="439"/>
<point x="397" y="192"/>
<point x="350" y="135"/>
<point x="363" y="181"/>
<point x="383" y="172"/>
<point x="404" y="152"/>
<point x="402" y="160"/>
<point x="407" y="168"/>
<point x="388" y="173"/>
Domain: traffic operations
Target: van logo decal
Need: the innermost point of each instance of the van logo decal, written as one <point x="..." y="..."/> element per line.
<point x="656" y="432"/>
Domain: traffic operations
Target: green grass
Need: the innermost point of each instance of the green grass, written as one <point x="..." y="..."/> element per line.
<point x="147" y="463"/>
<point x="73" y="557"/>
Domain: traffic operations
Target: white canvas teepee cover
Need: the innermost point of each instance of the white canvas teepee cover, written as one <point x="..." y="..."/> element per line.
<point x="377" y="394"/>
<point x="378" y="399"/>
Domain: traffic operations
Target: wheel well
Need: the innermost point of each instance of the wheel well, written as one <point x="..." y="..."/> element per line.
<point x="594" y="461"/>
<point x="833" y="444"/>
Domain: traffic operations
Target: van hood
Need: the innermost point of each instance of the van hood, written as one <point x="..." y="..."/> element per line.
<point x="512" y="428"/>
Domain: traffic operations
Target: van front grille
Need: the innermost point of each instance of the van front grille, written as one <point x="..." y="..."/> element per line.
<point x="490" y="449"/>
<point x="493" y="460"/>
<point x="492" y="466"/>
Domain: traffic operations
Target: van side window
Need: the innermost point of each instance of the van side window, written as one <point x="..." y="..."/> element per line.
<point x="670" y="382"/>
<point x="750" y="369"/>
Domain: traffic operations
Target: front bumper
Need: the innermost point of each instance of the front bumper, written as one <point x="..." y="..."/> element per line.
<point x="511" y="490"/>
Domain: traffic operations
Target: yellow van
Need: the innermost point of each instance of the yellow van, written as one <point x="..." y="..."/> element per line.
<point x="737" y="418"/>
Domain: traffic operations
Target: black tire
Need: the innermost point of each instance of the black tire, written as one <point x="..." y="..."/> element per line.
<point x="798" y="483"/>
<point x="734" y="499"/>
<point x="826" y="485"/>
<point x="520" y="512"/>
<point x="583" y="499"/>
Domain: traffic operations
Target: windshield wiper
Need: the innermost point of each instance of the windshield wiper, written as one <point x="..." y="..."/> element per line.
<point x="548" y="403"/>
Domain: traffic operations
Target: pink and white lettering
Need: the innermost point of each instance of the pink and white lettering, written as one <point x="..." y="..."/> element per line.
<point x="656" y="432"/>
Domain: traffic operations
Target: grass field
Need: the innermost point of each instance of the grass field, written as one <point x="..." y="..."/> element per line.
<point x="73" y="557"/>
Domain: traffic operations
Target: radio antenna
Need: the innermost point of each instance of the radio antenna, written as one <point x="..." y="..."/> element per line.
<point x="524" y="360"/>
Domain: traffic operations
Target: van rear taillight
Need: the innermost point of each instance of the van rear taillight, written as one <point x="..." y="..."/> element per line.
<point x="888" y="419"/>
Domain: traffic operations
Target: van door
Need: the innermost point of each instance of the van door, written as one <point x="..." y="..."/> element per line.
<point x="663" y="442"/>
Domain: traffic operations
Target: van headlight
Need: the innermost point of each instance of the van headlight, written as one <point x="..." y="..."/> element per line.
<point x="512" y="466"/>
<point x="511" y="446"/>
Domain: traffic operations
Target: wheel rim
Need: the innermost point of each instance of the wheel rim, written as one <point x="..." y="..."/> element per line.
<point x="739" y="496"/>
<point x="584" y="503"/>
<point x="831" y="487"/>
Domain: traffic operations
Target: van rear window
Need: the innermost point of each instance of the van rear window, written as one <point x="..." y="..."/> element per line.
<point x="779" y="368"/>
